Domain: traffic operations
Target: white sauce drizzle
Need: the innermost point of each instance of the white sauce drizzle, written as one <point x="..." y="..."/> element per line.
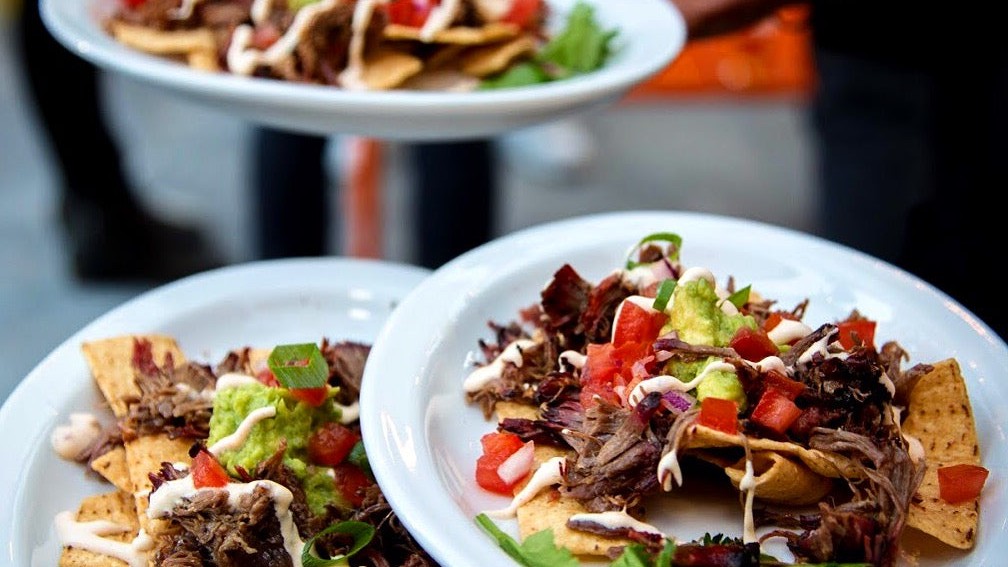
<point x="821" y="347"/>
<point x="915" y="449"/>
<point x="71" y="440"/>
<point x="665" y="383"/>
<point x="770" y="363"/>
<point x="185" y="11"/>
<point x="574" y="358"/>
<point x="788" y="330"/>
<point x="260" y="10"/>
<point x="668" y="466"/>
<point x="235" y="440"/>
<point x="348" y="414"/>
<point x="748" y="487"/>
<point x="697" y="273"/>
<point x="617" y="519"/>
<point x="352" y="77"/>
<point x="440" y="18"/>
<point x="486" y="374"/>
<point x="548" y="474"/>
<point x="640" y="277"/>
<point x="243" y="60"/>
<point x="493" y="10"/>
<point x="206" y="394"/>
<point x="235" y="380"/>
<point x="88" y="535"/>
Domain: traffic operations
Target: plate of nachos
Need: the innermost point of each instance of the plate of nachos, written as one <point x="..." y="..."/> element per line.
<point x="215" y="420"/>
<point x="396" y="69"/>
<point x="671" y="389"/>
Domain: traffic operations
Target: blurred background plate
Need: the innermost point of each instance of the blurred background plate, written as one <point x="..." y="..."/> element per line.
<point x="651" y="35"/>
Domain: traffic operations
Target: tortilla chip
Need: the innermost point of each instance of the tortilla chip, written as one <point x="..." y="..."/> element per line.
<point x="159" y="42"/>
<point x="549" y="510"/>
<point x="112" y="466"/>
<point x="115" y="507"/>
<point x="145" y="455"/>
<point x="941" y="417"/>
<point x="387" y="69"/>
<point x="491" y="59"/>
<point x="782" y="480"/>
<point x="822" y="463"/>
<point x="460" y="35"/>
<point x="203" y="61"/>
<point x="111" y="365"/>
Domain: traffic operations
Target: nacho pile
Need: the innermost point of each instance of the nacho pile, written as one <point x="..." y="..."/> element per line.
<point x="643" y="383"/>
<point x="367" y="44"/>
<point x="257" y="460"/>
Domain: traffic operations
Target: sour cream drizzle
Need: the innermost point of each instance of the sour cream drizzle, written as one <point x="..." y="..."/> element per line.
<point x="821" y="347"/>
<point x="235" y="380"/>
<point x="788" y="330"/>
<point x="573" y="357"/>
<point x="617" y="519"/>
<point x="548" y="474"/>
<point x="493" y="10"/>
<point x="665" y="383"/>
<point x="89" y="536"/>
<point x="71" y="440"/>
<point x="486" y="374"/>
<point x="351" y="77"/>
<point x="440" y="18"/>
<point x="235" y="440"/>
<point x="769" y="363"/>
<point x="243" y="60"/>
<point x="748" y="487"/>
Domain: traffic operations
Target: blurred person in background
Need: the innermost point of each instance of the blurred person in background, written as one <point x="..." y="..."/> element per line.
<point x="911" y="131"/>
<point x="453" y="184"/>
<point x="111" y="234"/>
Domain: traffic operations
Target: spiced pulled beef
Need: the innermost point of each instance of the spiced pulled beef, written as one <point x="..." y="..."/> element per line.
<point x="346" y="360"/>
<point x="563" y="301"/>
<point x="617" y="454"/>
<point x="207" y="526"/>
<point x="170" y="399"/>
<point x="110" y="438"/>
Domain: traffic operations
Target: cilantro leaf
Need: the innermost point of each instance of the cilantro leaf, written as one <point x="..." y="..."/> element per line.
<point x="538" y="550"/>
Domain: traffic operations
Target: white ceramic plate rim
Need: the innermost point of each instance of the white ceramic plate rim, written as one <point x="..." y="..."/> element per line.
<point x="29" y="413"/>
<point x="71" y="22"/>
<point x="416" y="469"/>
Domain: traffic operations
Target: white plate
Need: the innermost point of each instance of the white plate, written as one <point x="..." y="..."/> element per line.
<point x="257" y="304"/>
<point x="423" y="442"/>
<point x="652" y="34"/>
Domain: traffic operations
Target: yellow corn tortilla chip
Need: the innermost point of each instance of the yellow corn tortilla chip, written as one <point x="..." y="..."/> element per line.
<point x="387" y="69"/>
<point x="115" y="507"/>
<point x="549" y="510"/>
<point x="487" y="60"/>
<point x="822" y="463"/>
<point x="940" y="416"/>
<point x="160" y="42"/>
<point x="203" y="60"/>
<point x="145" y="455"/>
<point x="460" y="35"/>
<point x="781" y="480"/>
<point x="111" y="365"/>
<point x="113" y="468"/>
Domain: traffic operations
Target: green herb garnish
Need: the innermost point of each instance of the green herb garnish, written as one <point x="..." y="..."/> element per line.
<point x="299" y="366"/>
<point x="361" y="533"/>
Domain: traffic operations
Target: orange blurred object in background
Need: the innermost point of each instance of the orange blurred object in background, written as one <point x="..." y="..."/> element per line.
<point x="772" y="57"/>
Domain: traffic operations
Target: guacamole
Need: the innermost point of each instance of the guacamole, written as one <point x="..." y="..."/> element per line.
<point x="294" y="421"/>
<point x="695" y="315"/>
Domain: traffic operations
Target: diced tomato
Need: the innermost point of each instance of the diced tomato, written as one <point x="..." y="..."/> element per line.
<point x="265" y="35"/>
<point x="311" y="396"/>
<point x="774" y="318"/>
<point x="412" y="13"/>
<point x="351" y="482"/>
<point x="775" y="411"/>
<point x="497" y="447"/>
<point x="266" y="377"/>
<point x="134" y="3"/>
<point x="863" y="328"/>
<point x="330" y="444"/>
<point x="207" y="472"/>
<point x="719" y="414"/>
<point x="608" y="367"/>
<point x="753" y="344"/>
<point x="774" y="380"/>
<point x="961" y="483"/>
<point x="637" y="324"/>
<point x="523" y="13"/>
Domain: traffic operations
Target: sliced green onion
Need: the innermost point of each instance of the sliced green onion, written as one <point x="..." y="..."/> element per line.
<point x="740" y="297"/>
<point x="670" y="237"/>
<point x="361" y="532"/>
<point x="664" y="294"/>
<point x="299" y="366"/>
<point x="358" y="457"/>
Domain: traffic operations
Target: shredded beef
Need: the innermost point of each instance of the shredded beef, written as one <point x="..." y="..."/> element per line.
<point x="170" y="399"/>
<point x="346" y="367"/>
<point x="603" y="300"/>
<point x="563" y="301"/>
